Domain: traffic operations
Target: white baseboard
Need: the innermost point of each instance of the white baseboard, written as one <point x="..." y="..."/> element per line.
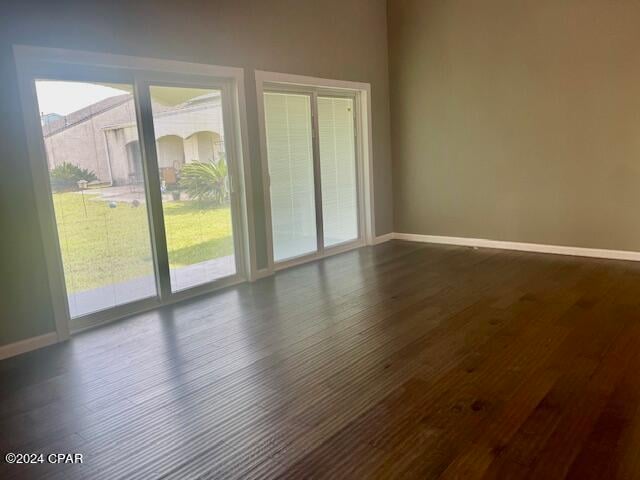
<point x="383" y="238"/>
<point x="23" y="346"/>
<point x="34" y="343"/>
<point x="523" y="247"/>
<point x="262" y="273"/>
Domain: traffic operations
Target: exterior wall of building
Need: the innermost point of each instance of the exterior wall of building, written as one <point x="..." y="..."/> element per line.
<point x="186" y="120"/>
<point x="202" y="147"/>
<point x="84" y="143"/>
<point x="107" y="143"/>
<point x="124" y="156"/>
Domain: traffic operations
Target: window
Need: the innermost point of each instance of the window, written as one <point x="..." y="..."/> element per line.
<point x="314" y="163"/>
<point x="137" y="168"/>
<point x="90" y="135"/>
<point x="196" y="196"/>
<point x="338" y="168"/>
<point x="290" y="153"/>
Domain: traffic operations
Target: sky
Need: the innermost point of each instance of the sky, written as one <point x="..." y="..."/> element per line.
<point x="64" y="98"/>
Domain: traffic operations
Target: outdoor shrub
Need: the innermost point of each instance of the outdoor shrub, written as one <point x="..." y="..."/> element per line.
<point x="67" y="175"/>
<point x="205" y="181"/>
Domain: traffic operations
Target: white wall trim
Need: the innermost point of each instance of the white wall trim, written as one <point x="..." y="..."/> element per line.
<point x="262" y="273"/>
<point x="27" y="53"/>
<point x="304" y="80"/>
<point x="522" y="247"/>
<point x="27" y="345"/>
<point x="41" y="341"/>
<point x="383" y="238"/>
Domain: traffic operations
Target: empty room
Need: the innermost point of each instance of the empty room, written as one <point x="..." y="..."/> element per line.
<point x="320" y="239"/>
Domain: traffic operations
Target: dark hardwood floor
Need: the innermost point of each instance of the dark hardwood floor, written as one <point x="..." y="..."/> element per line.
<point x="404" y="360"/>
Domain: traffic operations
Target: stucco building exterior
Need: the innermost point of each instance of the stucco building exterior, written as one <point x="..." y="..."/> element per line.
<point x="103" y="137"/>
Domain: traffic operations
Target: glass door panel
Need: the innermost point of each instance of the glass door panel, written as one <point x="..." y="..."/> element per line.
<point x="290" y="159"/>
<point x="194" y="179"/>
<point x="95" y="168"/>
<point x="338" y="170"/>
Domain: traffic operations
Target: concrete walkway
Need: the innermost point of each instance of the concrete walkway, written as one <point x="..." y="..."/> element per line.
<point x="89" y="301"/>
<point x="124" y="193"/>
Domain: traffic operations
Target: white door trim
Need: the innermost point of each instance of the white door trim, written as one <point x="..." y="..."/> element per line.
<point x="26" y="53"/>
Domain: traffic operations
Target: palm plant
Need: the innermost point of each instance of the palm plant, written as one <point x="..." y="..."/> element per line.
<point x="206" y="181"/>
<point x="66" y="176"/>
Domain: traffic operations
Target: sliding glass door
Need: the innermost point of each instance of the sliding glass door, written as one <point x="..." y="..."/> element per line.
<point x="339" y="178"/>
<point x="196" y="194"/>
<point x="97" y="193"/>
<point x="291" y="172"/>
<point x="142" y="188"/>
<point x="312" y="172"/>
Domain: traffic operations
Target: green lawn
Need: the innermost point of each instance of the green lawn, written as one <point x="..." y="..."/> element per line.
<point x="102" y="245"/>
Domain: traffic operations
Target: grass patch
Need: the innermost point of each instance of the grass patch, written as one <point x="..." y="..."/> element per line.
<point x="102" y="245"/>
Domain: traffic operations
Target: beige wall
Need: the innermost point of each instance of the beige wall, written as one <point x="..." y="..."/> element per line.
<point x="340" y="39"/>
<point x="517" y="120"/>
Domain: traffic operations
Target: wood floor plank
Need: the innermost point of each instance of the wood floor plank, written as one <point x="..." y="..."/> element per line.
<point x="397" y="361"/>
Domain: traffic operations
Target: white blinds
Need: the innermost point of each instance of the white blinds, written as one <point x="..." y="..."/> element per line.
<point x="338" y="169"/>
<point x="290" y="160"/>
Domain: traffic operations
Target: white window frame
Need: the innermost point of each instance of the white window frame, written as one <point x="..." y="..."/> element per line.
<point x="361" y="93"/>
<point x="26" y="57"/>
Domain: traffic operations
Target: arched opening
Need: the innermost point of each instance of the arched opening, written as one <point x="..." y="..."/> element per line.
<point x="170" y="151"/>
<point x="204" y="146"/>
